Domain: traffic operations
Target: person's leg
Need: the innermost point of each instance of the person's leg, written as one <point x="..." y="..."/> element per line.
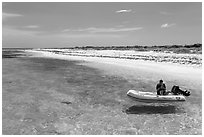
<point x="158" y="92"/>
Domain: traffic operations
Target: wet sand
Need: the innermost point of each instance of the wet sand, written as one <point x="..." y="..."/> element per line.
<point x="55" y="96"/>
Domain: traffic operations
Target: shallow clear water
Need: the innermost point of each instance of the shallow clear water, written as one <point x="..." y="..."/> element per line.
<point x="51" y="96"/>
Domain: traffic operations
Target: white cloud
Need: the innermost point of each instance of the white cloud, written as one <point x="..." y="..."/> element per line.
<point x="31" y="26"/>
<point x="103" y="30"/>
<point x="166" y="25"/>
<point x="124" y="11"/>
<point x="10" y="15"/>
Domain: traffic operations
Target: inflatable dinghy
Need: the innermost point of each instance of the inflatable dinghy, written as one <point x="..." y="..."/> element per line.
<point x="150" y="97"/>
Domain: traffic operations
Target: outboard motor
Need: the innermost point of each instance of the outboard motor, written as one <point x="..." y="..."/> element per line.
<point x="186" y="93"/>
<point x="177" y="91"/>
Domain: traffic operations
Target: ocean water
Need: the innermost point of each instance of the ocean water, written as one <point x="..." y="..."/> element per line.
<point x="52" y="96"/>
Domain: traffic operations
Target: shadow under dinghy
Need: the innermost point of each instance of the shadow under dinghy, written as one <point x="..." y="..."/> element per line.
<point x="149" y="97"/>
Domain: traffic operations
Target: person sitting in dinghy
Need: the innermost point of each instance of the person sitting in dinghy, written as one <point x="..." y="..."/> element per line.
<point x="161" y="88"/>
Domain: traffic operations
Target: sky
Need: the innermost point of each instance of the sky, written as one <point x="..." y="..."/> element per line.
<point x="68" y="24"/>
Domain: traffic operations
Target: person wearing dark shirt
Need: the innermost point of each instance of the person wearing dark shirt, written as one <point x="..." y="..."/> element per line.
<point x="161" y="88"/>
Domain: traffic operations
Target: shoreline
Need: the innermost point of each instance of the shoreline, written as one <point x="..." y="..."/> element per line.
<point x="172" y="58"/>
<point x="57" y="94"/>
<point x="139" y="64"/>
<point x="174" y="74"/>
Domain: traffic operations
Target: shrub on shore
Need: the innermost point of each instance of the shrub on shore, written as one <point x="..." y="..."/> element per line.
<point x="194" y="48"/>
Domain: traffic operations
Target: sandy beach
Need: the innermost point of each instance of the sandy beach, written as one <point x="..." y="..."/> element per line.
<point x="49" y="93"/>
<point x="187" y="76"/>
